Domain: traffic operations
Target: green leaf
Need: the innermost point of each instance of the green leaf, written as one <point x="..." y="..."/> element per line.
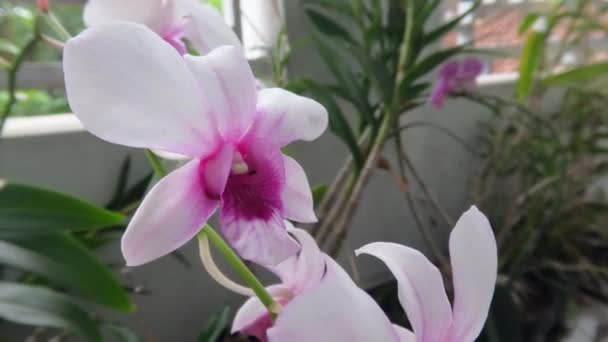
<point x="215" y="326"/>
<point x="449" y="26"/>
<point x="7" y="46"/>
<point x="337" y="6"/>
<point x="318" y="192"/>
<point x="29" y="210"/>
<point x="337" y="122"/>
<point x="121" y="332"/>
<point x="38" y="306"/>
<point x="577" y="74"/>
<point x="338" y="66"/>
<point x="529" y="63"/>
<point x="327" y="25"/>
<point x="64" y="261"/>
<point x="528" y="21"/>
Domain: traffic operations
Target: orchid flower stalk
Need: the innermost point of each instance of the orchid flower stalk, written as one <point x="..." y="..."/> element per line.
<point x="321" y="302"/>
<point x="129" y="86"/>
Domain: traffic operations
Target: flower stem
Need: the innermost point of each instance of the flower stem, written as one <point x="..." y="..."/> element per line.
<point x="156" y="164"/>
<point x="243" y="271"/>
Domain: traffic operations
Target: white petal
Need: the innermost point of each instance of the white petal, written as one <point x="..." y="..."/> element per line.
<point x="404" y="334"/>
<point x="420" y="289"/>
<point x="474" y="267"/>
<point x="334" y="310"/>
<point x="304" y="270"/>
<point x="229" y="89"/>
<point x="129" y="87"/>
<point x="297" y="195"/>
<point x="205" y="28"/>
<point x="285" y="117"/>
<point x="156" y="14"/>
<point x="170" y="215"/>
<point x="253" y="310"/>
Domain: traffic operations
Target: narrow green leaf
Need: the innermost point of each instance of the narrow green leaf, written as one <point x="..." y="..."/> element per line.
<point x="120" y="332"/>
<point x="345" y="76"/>
<point x="318" y="192"/>
<point x="529" y="63"/>
<point x="338" y="6"/>
<point x="337" y="121"/>
<point x="215" y="326"/>
<point x="38" y="306"/>
<point x="577" y="74"/>
<point x="327" y="25"/>
<point x="65" y="262"/>
<point x="442" y="30"/>
<point x="528" y="21"/>
<point x="377" y="71"/>
<point x="29" y="210"/>
<point x="7" y="46"/>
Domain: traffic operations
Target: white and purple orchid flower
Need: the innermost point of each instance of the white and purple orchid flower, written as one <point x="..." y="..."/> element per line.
<point x="455" y="75"/>
<point x="333" y="308"/>
<point x="130" y="87"/>
<point x="172" y="20"/>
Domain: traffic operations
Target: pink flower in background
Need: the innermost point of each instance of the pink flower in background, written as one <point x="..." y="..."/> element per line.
<point x="173" y="20"/>
<point x="298" y="274"/>
<point x="128" y="87"/>
<point x="336" y="310"/>
<point x="455" y="75"/>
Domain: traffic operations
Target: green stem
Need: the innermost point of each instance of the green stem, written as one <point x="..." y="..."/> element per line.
<point x="156" y="164"/>
<point x="241" y="269"/>
<point x="12" y="74"/>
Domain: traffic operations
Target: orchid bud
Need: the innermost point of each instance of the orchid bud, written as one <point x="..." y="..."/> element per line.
<point x="43" y="5"/>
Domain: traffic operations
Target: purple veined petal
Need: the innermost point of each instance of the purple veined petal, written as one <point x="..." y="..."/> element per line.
<point x="205" y="28"/>
<point x="449" y="69"/>
<point x="440" y="92"/>
<point x="143" y="97"/>
<point x="252" y="209"/>
<point x="285" y="117"/>
<point x="297" y="196"/>
<point x="334" y="310"/>
<point x="404" y="334"/>
<point x="420" y="289"/>
<point x="471" y="67"/>
<point x="253" y="319"/>
<point x="169" y="216"/>
<point x="156" y="14"/>
<point x="473" y="255"/>
<point x="229" y="89"/>
<point x="304" y="270"/>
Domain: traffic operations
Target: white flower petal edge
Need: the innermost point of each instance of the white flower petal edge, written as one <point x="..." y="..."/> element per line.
<point x="169" y="216"/>
<point x="474" y="255"/>
<point x="144" y="97"/>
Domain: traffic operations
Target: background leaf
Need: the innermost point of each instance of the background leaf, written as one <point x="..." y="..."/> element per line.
<point x="26" y="209"/>
<point x="64" y="261"/>
<point x="529" y="63"/>
<point x="38" y="306"/>
<point x="577" y="74"/>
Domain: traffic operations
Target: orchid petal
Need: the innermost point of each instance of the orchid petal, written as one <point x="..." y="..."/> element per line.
<point x="285" y="117"/>
<point x="420" y="289"/>
<point x="439" y="93"/>
<point x="473" y="254"/>
<point x="261" y="240"/>
<point x="405" y="335"/>
<point x="216" y="170"/>
<point x="304" y="270"/>
<point x="449" y="69"/>
<point x="253" y="319"/>
<point x="156" y="14"/>
<point x="170" y="215"/>
<point x="229" y="89"/>
<point x="143" y="97"/>
<point x="334" y="310"/>
<point x="297" y="196"/>
<point x="472" y="67"/>
<point x="205" y="27"/>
